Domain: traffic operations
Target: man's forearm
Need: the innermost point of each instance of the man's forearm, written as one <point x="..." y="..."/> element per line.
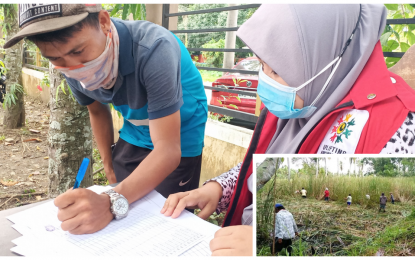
<point x="162" y="161"/>
<point x="102" y="128"/>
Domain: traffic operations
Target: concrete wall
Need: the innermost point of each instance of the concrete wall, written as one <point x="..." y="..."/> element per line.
<point x="31" y="79"/>
<point x="405" y="67"/>
<point x="225" y="147"/>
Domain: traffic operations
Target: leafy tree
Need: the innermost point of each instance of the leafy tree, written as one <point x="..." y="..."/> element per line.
<point x="208" y="20"/>
<point x="398" y="37"/>
<point x="14" y="116"/>
<point x="122" y="11"/>
<point x="382" y="167"/>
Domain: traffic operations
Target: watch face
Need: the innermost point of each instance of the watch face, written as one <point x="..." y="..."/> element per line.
<point x="121" y="206"/>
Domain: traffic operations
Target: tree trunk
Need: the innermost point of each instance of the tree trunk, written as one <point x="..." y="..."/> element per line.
<point x="289" y="168"/>
<point x="338" y="166"/>
<point x="317" y="167"/>
<point x="354" y="168"/>
<point x="325" y="165"/>
<point x="14" y="116"/>
<point x="70" y="138"/>
<point x="230" y="39"/>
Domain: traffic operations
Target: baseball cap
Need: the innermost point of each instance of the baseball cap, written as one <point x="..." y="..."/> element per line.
<point x="43" y="18"/>
<point x="278" y="205"/>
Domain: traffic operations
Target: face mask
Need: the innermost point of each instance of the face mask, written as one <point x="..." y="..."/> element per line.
<point x="101" y="72"/>
<point x="279" y="99"/>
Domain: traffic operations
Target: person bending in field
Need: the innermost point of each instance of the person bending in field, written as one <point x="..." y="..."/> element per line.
<point x="297" y="192"/>
<point x="392" y="198"/>
<point x="303" y="193"/>
<point x="285" y="229"/>
<point x="349" y="200"/>
<point x="383" y="200"/>
<point x="326" y="194"/>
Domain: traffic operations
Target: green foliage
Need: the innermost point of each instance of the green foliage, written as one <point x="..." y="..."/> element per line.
<point x="391" y="167"/>
<point x="218" y="117"/>
<point x="7" y="12"/>
<point x="209" y="20"/>
<point x="62" y="87"/>
<point x="122" y="11"/>
<point x="398" y="37"/>
<point x="340" y="187"/>
<point x="100" y="177"/>
<point x="10" y="97"/>
<point x="211" y="76"/>
<point x="45" y="80"/>
<point x="396" y="239"/>
<point x="214" y="58"/>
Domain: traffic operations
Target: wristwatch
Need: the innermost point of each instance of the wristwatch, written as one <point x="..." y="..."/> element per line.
<point x="119" y="204"/>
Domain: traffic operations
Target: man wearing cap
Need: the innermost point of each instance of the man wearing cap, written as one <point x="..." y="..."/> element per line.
<point x="147" y="74"/>
<point x="285" y="229"/>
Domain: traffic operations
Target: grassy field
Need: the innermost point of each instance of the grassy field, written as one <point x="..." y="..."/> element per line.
<point x="403" y="188"/>
<point x="210" y="76"/>
<point x="332" y="228"/>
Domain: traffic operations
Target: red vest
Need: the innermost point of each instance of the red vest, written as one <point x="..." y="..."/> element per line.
<point x="387" y="112"/>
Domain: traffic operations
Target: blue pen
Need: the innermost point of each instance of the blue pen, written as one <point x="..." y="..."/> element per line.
<point x="81" y="173"/>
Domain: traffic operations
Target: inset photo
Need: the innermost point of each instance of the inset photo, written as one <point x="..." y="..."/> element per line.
<point x="335" y="206"/>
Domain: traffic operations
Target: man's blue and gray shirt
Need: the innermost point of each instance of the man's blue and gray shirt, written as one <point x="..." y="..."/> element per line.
<point x="156" y="78"/>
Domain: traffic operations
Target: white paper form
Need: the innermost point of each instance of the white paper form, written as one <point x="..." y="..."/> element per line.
<point x="202" y="248"/>
<point x="158" y="235"/>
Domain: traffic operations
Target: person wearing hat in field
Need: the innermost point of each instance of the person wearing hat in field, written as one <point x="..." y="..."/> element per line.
<point x="148" y="76"/>
<point x="392" y="198"/>
<point x="326" y="194"/>
<point x="383" y="199"/>
<point x="285" y="229"/>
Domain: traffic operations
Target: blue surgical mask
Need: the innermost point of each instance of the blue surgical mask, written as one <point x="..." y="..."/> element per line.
<point x="279" y="99"/>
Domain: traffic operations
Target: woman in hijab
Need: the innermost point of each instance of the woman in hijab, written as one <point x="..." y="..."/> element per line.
<point x="325" y="89"/>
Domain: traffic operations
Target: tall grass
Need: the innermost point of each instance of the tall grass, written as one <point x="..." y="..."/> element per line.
<point x="403" y="188"/>
<point x="362" y="229"/>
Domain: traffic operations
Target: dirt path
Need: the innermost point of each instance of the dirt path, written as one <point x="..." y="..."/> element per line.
<point x="24" y="165"/>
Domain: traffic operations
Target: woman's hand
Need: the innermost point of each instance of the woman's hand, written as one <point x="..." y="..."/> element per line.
<point x="205" y="198"/>
<point x="232" y="241"/>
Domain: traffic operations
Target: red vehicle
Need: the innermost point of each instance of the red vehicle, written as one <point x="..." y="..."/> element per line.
<point x="237" y="81"/>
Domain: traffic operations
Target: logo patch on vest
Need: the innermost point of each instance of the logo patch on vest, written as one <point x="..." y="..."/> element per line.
<point x="344" y="134"/>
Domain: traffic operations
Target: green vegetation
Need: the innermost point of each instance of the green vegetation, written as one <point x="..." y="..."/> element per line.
<point x="340" y="187"/>
<point x="209" y="20"/>
<point x="11" y="96"/>
<point x="398" y="37"/>
<point x="210" y="76"/>
<point x="99" y="177"/>
<point x="396" y="239"/>
<point x="214" y="58"/>
<point x="331" y="228"/>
